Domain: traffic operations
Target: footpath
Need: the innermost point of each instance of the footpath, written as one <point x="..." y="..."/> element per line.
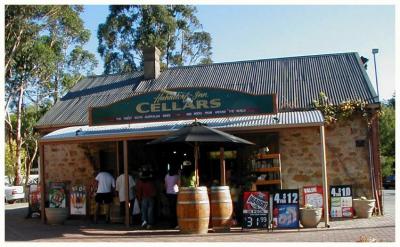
<point x="379" y="229"/>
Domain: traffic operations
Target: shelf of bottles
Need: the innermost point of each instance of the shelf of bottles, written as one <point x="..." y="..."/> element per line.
<point x="267" y="167"/>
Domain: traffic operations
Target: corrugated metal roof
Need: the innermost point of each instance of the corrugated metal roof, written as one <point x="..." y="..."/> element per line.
<point x="297" y="81"/>
<point x="279" y="120"/>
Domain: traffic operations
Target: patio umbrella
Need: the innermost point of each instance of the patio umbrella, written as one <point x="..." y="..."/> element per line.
<point x="197" y="133"/>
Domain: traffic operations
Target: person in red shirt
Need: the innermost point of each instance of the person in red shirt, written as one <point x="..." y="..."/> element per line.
<point x="146" y="192"/>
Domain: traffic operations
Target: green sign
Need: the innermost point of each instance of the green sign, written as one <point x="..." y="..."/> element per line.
<point x="178" y="104"/>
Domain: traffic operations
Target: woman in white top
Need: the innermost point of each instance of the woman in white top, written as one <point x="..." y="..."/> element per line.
<point x="172" y="183"/>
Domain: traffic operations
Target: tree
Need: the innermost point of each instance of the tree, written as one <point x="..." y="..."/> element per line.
<point x="387" y="137"/>
<point x="174" y="29"/>
<point x="44" y="57"/>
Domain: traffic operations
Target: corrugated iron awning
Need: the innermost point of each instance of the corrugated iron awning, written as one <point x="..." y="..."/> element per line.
<point x="279" y="120"/>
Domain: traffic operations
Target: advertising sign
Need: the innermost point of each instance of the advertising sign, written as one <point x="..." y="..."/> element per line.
<point x="341" y="201"/>
<point x="286" y="209"/>
<point x="313" y="195"/>
<point x="77" y="200"/>
<point x="57" y="195"/>
<point x="34" y="198"/>
<point x="255" y="209"/>
<point x="182" y="103"/>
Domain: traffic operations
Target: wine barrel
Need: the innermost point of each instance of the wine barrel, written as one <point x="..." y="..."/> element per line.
<point x="221" y="208"/>
<point x="193" y="210"/>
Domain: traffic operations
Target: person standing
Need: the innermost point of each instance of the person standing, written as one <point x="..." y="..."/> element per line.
<point x="172" y="183"/>
<point x="146" y="192"/>
<point x="104" y="193"/>
<point x="120" y="187"/>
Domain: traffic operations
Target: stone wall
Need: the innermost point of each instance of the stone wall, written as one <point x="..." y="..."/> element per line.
<point x="300" y="150"/>
<point x="67" y="162"/>
<point x="75" y="163"/>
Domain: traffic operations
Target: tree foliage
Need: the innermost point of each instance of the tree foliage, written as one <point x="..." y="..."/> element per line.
<point x="44" y="57"/>
<point x="174" y="29"/>
<point x="387" y="137"/>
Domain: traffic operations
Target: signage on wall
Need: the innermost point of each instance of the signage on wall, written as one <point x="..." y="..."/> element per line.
<point x="285" y="210"/>
<point x="255" y="209"/>
<point x="341" y="201"/>
<point x="313" y="195"/>
<point x="57" y="195"/>
<point x="186" y="103"/>
<point x="78" y="200"/>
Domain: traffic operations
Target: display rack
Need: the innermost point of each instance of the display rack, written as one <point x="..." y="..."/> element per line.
<point x="268" y="168"/>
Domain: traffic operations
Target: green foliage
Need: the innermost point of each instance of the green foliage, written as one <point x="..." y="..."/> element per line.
<point x="174" y="29"/>
<point x="387" y="137"/>
<point x="10" y="160"/>
<point x="44" y="57"/>
<point x="343" y="111"/>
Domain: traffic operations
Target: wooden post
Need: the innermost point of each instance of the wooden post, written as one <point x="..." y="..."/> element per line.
<point x="42" y="185"/>
<point x="376" y="161"/>
<point x="222" y="166"/>
<point x="324" y="176"/>
<point x="196" y="163"/>
<point x="127" y="216"/>
<point x="117" y="157"/>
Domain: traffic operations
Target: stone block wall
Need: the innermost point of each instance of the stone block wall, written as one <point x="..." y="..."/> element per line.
<point x="300" y="150"/>
<point x="67" y="162"/>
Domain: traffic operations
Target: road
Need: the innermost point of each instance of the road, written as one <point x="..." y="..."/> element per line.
<point x="381" y="229"/>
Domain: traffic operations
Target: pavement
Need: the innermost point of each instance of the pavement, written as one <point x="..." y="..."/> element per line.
<point x="377" y="228"/>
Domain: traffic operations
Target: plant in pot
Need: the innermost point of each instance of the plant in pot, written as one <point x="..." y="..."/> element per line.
<point x="363" y="207"/>
<point x="310" y="216"/>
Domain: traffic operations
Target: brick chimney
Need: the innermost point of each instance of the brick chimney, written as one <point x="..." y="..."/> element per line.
<point x="151" y="63"/>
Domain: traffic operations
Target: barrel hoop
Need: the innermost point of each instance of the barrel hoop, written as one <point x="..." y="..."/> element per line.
<point x="195" y="219"/>
<point x="193" y="202"/>
<point x="220" y="218"/>
<point x="193" y="192"/>
<point x="229" y="201"/>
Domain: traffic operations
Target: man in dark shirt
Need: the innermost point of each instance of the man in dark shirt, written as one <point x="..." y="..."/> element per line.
<point x="146" y="192"/>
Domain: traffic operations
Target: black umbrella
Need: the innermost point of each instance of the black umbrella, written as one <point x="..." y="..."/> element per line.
<point x="199" y="133"/>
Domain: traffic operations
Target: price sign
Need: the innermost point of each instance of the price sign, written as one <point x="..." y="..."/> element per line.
<point x="313" y="195"/>
<point x="341" y="201"/>
<point x="255" y="209"/>
<point x="286" y="209"/>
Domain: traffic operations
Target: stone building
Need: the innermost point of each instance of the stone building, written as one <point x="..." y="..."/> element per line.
<point x="94" y="125"/>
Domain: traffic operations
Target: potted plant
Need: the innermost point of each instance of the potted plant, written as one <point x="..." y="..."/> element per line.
<point x="310" y="216"/>
<point x="363" y="207"/>
<point x="56" y="216"/>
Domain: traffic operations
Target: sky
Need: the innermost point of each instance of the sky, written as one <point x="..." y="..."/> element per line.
<point x="248" y="32"/>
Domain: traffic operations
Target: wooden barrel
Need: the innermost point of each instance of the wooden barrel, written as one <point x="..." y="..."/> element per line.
<point x="193" y="210"/>
<point x="221" y="208"/>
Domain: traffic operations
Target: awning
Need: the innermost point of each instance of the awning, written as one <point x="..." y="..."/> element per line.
<point x="154" y="129"/>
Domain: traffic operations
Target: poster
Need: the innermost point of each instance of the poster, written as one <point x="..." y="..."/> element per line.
<point x="285" y="209"/>
<point x="341" y="201"/>
<point x="57" y="195"/>
<point x="77" y="200"/>
<point x="255" y="209"/>
<point x="34" y="198"/>
<point x="313" y="195"/>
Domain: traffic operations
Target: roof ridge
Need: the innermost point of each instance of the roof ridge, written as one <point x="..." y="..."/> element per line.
<point x="262" y="59"/>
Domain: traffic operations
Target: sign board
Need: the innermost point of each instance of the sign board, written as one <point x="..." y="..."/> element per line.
<point x="77" y="200"/>
<point x="255" y="209"/>
<point x="57" y="195"/>
<point x="341" y="201"/>
<point x="184" y="103"/>
<point x="34" y="198"/>
<point x="285" y="209"/>
<point x="313" y="195"/>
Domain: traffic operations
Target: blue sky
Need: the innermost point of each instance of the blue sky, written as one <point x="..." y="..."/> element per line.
<point x="246" y="32"/>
